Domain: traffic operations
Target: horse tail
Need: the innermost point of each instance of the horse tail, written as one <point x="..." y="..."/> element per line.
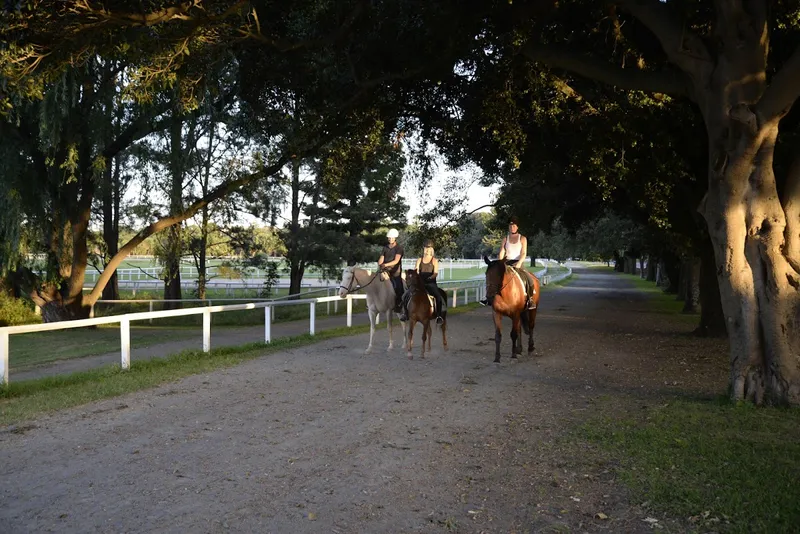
<point x="525" y="326"/>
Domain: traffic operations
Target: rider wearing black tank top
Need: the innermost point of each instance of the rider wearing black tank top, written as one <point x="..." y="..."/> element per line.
<point x="428" y="271"/>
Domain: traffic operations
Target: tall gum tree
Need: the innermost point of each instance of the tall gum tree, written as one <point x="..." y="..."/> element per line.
<point x="725" y="64"/>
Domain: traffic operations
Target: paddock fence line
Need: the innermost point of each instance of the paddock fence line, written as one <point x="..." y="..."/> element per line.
<point x="466" y="289"/>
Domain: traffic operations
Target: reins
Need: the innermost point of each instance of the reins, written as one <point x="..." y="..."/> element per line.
<point x="350" y="289"/>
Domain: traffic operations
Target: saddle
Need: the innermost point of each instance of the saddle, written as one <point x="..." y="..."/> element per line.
<point x="527" y="285"/>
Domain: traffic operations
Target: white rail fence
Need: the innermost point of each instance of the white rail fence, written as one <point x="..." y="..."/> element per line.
<point x="466" y="289"/>
<point x="475" y="288"/>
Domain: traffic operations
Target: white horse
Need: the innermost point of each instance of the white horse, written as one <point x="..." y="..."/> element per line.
<point x="380" y="298"/>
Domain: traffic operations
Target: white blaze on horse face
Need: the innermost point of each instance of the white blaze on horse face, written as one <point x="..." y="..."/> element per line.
<point x="347" y="280"/>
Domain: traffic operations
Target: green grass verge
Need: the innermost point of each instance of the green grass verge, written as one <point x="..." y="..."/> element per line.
<point x="39" y="348"/>
<point x="24" y="400"/>
<point x="660" y="302"/>
<point x="724" y="467"/>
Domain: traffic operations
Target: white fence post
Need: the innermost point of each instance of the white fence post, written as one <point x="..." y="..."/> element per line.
<point x="349" y="311"/>
<point x="206" y="330"/>
<point x="312" y="314"/>
<point x="328" y="303"/>
<point x="151" y="311"/>
<point x="466" y="296"/>
<point x="125" y="343"/>
<point x="4" y="357"/>
<point x="455" y="297"/>
<point x="267" y="324"/>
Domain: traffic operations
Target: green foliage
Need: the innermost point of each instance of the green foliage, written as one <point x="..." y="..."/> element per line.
<point x="15" y="311"/>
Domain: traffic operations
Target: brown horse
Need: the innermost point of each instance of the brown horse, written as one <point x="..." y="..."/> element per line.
<point x="420" y="309"/>
<point x="505" y="293"/>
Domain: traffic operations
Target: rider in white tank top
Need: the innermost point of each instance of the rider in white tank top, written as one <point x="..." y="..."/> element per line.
<point x="513" y="250"/>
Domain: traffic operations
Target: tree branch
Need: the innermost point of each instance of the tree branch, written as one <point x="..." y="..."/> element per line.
<point x="165" y="222"/>
<point x="671" y="83"/>
<point x="782" y="92"/>
<point x="683" y="47"/>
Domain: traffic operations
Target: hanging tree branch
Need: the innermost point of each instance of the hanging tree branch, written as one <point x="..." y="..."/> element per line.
<point x="668" y="82"/>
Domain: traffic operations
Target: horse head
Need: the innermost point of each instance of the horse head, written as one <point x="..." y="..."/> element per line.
<point x="495" y="272"/>
<point x="414" y="280"/>
<point x="348" y="282"/>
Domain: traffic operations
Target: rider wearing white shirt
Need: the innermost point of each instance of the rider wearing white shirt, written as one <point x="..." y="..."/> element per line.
<point x="514" y="250"/>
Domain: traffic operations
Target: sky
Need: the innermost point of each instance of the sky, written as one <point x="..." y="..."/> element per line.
<point x="476" y="195"/>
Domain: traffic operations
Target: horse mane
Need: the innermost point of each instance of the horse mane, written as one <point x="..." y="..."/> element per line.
<point x="415" y="279"/>
<point x="496" y="268"/>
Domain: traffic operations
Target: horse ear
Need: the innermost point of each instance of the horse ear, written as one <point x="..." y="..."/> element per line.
<point x="486" y="259"/>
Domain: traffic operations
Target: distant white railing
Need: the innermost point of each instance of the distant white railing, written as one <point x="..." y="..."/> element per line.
<point x="206" y="311"/>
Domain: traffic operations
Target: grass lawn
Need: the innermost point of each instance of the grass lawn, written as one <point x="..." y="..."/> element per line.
<point x="725" y="467"/>
<point x="44" y="347"/>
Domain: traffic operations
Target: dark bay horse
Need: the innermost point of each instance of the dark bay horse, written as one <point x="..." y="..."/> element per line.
<point x="421" y="310"/>
<point x="505" y="293"/>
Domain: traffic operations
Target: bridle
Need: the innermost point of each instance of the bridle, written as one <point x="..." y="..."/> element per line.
<point x="500" y="287"/>
<point x="349" y="287"/>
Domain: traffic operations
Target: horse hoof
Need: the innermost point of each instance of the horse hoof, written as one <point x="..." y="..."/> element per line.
<point x="410" y="356"/>
<point x="497" y="360"/>
<point x="513" y="356"/>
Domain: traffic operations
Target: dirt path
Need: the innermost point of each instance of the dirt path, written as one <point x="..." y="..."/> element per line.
<point x="325" y="439"/>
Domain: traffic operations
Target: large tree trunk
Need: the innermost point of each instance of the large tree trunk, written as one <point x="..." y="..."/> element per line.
<point x="672" y="272"/>
<point x="712" y="319"/>
<point x="691" y="285"/>
<point x="683" y="279"/>
<point x="757" y="247"/>
<point x="174" y="247"/>
<point x="652" y="264"/>
<point x="296" y="272"/>
<point x="111" y="204"/>
<point x="296" y="264"/>
<point x="202" y="263"/>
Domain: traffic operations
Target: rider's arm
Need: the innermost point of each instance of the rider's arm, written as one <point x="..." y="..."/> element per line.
<point x="502" y="254"/>
<point x="380" y="262"/>
<point x="416" y="267"/>
<point x="522" y="253"/>
<point x="435" y="269"/>
<point x="397" y="259"/>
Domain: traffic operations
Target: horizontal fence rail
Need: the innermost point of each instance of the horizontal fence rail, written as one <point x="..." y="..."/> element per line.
<point x="458" y="293"/>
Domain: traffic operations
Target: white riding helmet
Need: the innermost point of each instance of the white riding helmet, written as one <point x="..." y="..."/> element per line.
<point x="393" y="233"/>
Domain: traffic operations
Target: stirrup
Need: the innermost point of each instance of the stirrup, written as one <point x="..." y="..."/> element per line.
<point x="440" y="320"/>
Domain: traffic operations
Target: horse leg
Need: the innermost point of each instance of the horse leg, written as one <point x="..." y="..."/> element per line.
<point x="516" y="340"/>
<point x="404" y="326"/>
<point x="410" y="345"/>
<point x="497" y="336"/>
<point x="444" y="333"/>
<point x="371" y="313"/>
<point x="430" y="334"/>
<point x="390" y="328"/>
<point x="531" y="322"/>
<point x="426" y="325"/>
